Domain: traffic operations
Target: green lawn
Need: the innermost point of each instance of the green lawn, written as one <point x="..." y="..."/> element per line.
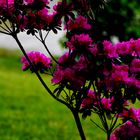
<point x="27" y="112"/>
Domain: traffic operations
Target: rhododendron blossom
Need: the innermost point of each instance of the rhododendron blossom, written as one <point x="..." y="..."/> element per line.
<point x="123" y="48"/>
<point x="38" y="59"/>
<point x="79" y="23"/>
<point x="6" y="9"/>
<point x="79" y="42"/>
<point x="128" y="131"/>
<point x="135" y="66"/>
<point x="110" y="50"/>
<point x="131" y="113"/>
<point x="137" y="47"/>
<point x="93" y="100"/>
<point x="3" y="3"/>
<point x="107" y="103"/>
<point x="68" y="74"/>
<point x="89" y="100"/>
<point x="119" y="73"/>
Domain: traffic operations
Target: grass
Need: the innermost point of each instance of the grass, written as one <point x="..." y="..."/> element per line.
<point x="27" y="112"/>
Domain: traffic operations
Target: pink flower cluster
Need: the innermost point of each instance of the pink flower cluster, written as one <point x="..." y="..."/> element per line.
<point x="29" y="14"/>
<point x="131" y="127"/>
<point x="131" y="114"/>
<point x="39" y="60"/>
<point x="131" y="48"/>
<point x="109" y="49"/>
<point x="122" y="76"/>
<point x="114" y="70"/>
<point x="110" y="67"/>
<point x="128" y="131"/>
<point x="6" y="9"/>
<point x="69" y="73"/>
<point x="79" y="42"/>
<point x="135" y="65"/>
<point x="94" y="100"/>
<point x="89" y="100"/>
<point x="4" y="2"/>
<point x="117" y="76"/>
<point x="79" y="23"/>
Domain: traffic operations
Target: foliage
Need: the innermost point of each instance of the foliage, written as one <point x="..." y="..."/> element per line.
<point x="117" y="18"/>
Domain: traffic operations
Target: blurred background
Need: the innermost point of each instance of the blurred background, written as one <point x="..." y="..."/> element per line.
<point x="27" y="112"/>
<point x="119" y="19"/>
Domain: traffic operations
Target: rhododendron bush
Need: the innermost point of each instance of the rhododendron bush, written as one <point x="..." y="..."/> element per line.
<point x="93" y="76"/>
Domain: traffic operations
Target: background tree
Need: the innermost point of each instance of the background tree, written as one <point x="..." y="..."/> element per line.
<point x="117" y="18"/>
<point x="112" y="18"/>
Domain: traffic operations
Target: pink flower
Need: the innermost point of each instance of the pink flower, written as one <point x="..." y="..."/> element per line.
<point x="69" y="76"/>
<point x="79" y="42"/>
<point x="43" y="13"/>
<point x="39" y="60"/>
<point x="81" y="65"/>
<point x="131" y="47"/>
<point x="137" y="83"/>
<point x="71" y="71"/>
<point x="128" y="131"/>
<point x="123" y="48"/>
<point x="45" y="17"/>
<point x="135" y="66"/>
<point x="4" y="3"/>
<point x="119" y="73"/>
<point x="79" y="23"/>
<point x="106" y="103"/>
<point x="89" y="100"/>
<point x="6" y="6"/>
<point x="132" y="81"/>
<point x="55" y="7"/>
<point x="130" y="113"/>
<point x="91" y="94"/>
<point x="137" y="46"/>
<point x="63" y="59"/>
<point x="93" y="50"/>
<point x="109" y="49"/>
<point x="22" y="22"/>
<point x="58" y="77"/>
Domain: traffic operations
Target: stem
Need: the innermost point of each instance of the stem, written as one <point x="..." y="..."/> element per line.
<point x="43" y="42"/>
<point x="74" y="112"/>
<point x="108" y="135"/>
<point x="98" y="126"/>
<point x="37" y="74"/>
<point x="79" y="125"/>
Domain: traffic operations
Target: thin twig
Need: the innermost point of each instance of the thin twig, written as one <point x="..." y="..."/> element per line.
<point x="43" y="42"/>
<point x="10" y="31"/>
<point x="36" y="72"/>
<point x="4" y="33"/>
<point x="3" y="28"/>
<point x="37" y="37"/>
<point x="113" y="125"/>
<point x="98" y="125"/>
<point x="46" y="35"/>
